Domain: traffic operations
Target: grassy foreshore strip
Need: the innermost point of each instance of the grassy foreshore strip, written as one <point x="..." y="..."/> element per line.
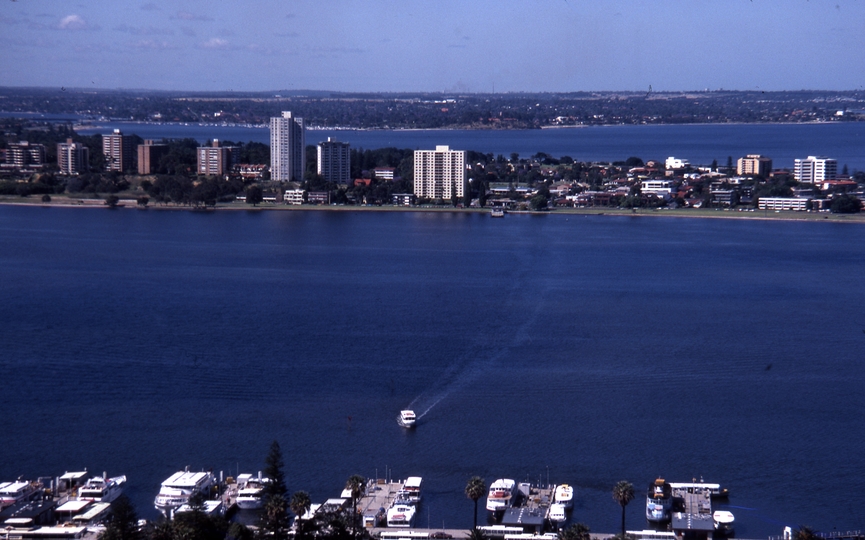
<point x="69" y="202"/>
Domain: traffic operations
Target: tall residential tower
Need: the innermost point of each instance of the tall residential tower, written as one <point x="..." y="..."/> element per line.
<point x="117" y="149"/>
<point x="440" y="173"/>
<point x="287" y="148"/>
<point x="334" y="161"/>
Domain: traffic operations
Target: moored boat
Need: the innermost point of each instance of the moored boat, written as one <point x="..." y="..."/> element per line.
<point x="564" y="495"/>
<point x="659" y="501"/>
<point x="102" y="488"/>
<point x="723" y="521"/>
<point x="406" y="418"/>
<point x="501" y="495"/>
<point x="401" y="515"/>
<point x="179" y="487"/>
<point x="557" y="514"/>
<point x="410" y="492"/>
<point x="497" y="212"/>
<point x="250" y="491"/>
<point x="13" y="492"/>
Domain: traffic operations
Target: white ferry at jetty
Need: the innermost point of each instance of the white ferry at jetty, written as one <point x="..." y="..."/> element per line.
<point x="179" y="487"/>
<point x="250" y="491"/>
<point x="406" y="418"/>
<point x="659" y="501"/>
<point x="102" y="488"/>
<point x="501" y="495"/>
<point x="410" y="492"/>
<point x="564" y="495"/>
<point x="13" y="492"/>
<point x="401" y="515"/>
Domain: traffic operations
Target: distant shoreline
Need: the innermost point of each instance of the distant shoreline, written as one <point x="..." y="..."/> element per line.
<point x="758" y="215"/>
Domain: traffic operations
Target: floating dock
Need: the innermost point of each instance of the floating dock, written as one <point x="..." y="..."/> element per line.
<point x="380" y="495"/>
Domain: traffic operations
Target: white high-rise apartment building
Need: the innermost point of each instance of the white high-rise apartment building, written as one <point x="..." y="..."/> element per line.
<point x="72" y="157"/>
<point x="814" y="169"/>
<point x="334" y="161"/>
<point x="287" y="148"/>
<point x="440" y="173"/>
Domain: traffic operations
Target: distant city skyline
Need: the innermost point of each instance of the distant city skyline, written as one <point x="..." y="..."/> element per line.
<point x="445" y="46"/>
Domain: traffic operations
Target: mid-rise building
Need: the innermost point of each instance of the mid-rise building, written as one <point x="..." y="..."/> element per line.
<point x="293" y="196"/>
<point x="72" y="157"/>
<point x="384" y="173"/>
<point x="117" y="150"/>
<point x="754" y="165"/>
<point x="23" y="155"/>
<point x="440" y="173"/>
<point x="215" y="159"/>
<point x="287" y="148"/>
<point x="149" y="155"/>
<point x="334" y="161"/>
<point x="814" y="169"/>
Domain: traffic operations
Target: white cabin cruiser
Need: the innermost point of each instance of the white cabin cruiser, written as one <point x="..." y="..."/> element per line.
<point x="410" y="491"/>
<point x="406" y="418"/>
<point x="401" y="515"/>
<point x="723" y="521"/>
<point x="557" y="514"/>
<point x="501" y="495"/>
<point x="179" y="487"/>
<point x="250" y="491"/>
<point x="102" y="488"/>
<point x="564" y="495"/>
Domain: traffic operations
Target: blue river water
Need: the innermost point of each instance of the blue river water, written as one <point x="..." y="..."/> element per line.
<point x="700" y="143"/>
<point x="569" y="349"/>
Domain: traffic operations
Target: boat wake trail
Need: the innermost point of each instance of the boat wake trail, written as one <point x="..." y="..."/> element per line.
<point x="487" y="356"/>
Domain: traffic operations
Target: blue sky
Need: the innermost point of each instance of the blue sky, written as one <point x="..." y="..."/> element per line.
<point x="406" y="45"/>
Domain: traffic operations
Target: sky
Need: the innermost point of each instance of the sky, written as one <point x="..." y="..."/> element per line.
<point x="434" y="46"/>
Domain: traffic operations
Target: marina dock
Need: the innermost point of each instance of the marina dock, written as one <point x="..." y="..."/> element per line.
<point x="533" y="505"/>
<point x="380" y="495"/>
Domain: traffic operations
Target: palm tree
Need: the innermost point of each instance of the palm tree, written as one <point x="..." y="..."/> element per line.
<point x="475" y="489"/>
<point x="300" y="504"/>
<point x="476" y="534"/>
<point x="357" y="484"/>
<point x="623" y="493"/>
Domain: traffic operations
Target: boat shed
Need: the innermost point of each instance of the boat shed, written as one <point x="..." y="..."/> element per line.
<point x="693" y="526"/>
<point x="531" y="520"/>
<point x="70" y="480"/>
<point x="67" y="510"/>
<point x="93" y="514"/>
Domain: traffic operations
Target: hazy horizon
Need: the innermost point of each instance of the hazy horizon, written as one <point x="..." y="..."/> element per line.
<point x="481" y="47"/>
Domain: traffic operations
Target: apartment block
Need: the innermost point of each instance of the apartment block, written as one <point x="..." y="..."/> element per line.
<point x="440" y="173"/>
<point x="24" y="156"/>
<point x="814" y="169"/>
<point x="72" y="157"/>
<point x="287" y="148"/>
<point x="754" y="165"/>
<point x="149" y="155"/>
<point x="117" y="149"/>
<point x="215" y="159"/>
<point x="334" y="161"/>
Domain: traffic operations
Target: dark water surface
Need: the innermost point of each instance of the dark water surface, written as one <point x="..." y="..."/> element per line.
<point x="583" y="349"/>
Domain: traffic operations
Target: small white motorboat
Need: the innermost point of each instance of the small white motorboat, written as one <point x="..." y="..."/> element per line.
<point x="406" y="418"/>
